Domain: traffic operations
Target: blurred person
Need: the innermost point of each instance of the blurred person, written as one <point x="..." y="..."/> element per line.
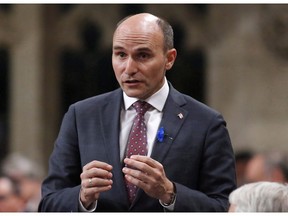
<point x="10" y="196"/>
<point x="260" y="197"/>
<point x="186" y="161"/>
<point x="29" y="175"/>
<point x="269" y="166"/>
<point x="241" y="159"/>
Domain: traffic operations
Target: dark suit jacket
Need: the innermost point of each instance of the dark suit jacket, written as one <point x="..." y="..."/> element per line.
<point x="199" y="159"/>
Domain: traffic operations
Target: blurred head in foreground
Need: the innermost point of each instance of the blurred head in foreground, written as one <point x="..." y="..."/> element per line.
<point x="260" y="197"/>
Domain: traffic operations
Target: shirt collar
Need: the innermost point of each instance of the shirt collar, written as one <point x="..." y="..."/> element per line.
<point x="157" y="100"/>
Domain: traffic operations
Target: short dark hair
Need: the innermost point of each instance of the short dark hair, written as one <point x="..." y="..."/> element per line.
<point x="168" y="33"/>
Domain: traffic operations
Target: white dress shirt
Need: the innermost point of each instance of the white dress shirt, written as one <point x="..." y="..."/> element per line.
<point x="152" y="118"/>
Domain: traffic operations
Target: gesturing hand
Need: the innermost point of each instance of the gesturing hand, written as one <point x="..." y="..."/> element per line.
<point x="149" y="175"/>
<point x="95" y="178"/>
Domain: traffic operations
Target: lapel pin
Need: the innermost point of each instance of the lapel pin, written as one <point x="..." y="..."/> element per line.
<point x="180" y="115"/>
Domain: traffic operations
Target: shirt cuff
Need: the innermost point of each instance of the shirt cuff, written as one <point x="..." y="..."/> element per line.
<point x="92" y="207"/>
<point x="169" y="207"/>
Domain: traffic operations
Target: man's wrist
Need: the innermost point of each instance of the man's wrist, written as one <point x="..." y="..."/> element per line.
<point x="90" y="208"/>
<point x="172" y="199"/>
<point x="172" y="195"/>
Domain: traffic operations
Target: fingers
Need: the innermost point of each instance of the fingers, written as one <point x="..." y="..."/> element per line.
<point x="144" y="164"/>
<point x="92" y="191"/>
<point x="137" y="177"/>
<point x="98" y="164"/>
<point x="96" y="169"/>
<point x="142" y="170"/>
<point x="96" y="173"/>
<point x="147" y="174"/>
<point x="99" y="182"/>
<point x="95" y="178"/>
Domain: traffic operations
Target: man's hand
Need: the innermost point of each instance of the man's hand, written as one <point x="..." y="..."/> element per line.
<point x="149" y="175"/>
<point x="95" y="178"/>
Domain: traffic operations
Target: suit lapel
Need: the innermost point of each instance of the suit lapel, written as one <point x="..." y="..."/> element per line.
<point x="111" y="129"/>
<point x="173" y="118"/>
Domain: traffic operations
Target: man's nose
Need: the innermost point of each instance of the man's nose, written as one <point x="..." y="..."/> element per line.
<point x="131" y="66"/>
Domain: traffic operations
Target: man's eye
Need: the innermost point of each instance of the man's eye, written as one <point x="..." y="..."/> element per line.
<point x="143" y="56"/>
<point x="120" y="54"/>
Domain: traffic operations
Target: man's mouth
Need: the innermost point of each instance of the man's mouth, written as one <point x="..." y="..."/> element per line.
<point x="132" y="81"/>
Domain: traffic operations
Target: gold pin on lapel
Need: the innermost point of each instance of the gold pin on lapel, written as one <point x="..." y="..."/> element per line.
<point x="180" y="115"/>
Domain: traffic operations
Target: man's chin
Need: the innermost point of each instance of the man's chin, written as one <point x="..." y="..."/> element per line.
<point x="136" y="93"/>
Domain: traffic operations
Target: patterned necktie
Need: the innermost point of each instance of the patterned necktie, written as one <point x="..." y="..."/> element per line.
<point x="137" y="140"/>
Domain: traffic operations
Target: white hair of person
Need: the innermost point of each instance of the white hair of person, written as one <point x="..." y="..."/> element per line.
<point x="260" y="197"/>
<point x="18" y="165"/>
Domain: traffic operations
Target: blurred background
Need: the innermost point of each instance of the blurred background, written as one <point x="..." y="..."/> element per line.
<point x="233" y="57"/>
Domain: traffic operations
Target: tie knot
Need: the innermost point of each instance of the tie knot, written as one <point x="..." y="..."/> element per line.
<point x="141" y="107"/>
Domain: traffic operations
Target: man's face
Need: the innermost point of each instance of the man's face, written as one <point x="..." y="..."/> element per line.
<point x="9" y="202"/>
<point x="138" y="58"/>
<point x="255" y="170"/>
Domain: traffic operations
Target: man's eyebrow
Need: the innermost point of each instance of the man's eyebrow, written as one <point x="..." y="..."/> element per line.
<point x="143" y="49"/>
<point x="140" y="49"/>
<point x="117" y="48"/>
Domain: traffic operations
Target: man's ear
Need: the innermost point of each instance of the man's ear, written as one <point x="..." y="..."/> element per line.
<point x="171" y="56"/>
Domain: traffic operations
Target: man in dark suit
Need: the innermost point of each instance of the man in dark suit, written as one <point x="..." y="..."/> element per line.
<point x="189" y="163"/>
